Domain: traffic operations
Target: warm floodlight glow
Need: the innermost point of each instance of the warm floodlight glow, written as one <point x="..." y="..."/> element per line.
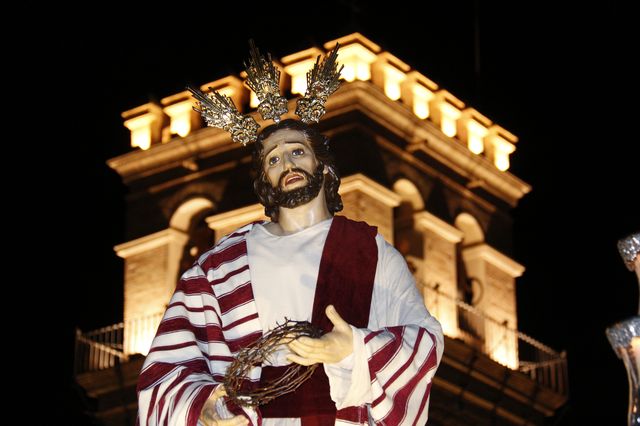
<point x="139" y="333"/>
<point x="357" y="61"/>
<point x="448" y="120"/>
<point x="253" y="100"/>
<point x="448" y="319"/>
<point x="393" y="77"/>
<point x="140" y="128"/>
<point x="505" y="353"/>
<point x="501" y="151"/>
<point x="180" y="114"/>
<point x="421" y="98"/>
<point x="475" y="136"/>
<point x="298" y="73"/>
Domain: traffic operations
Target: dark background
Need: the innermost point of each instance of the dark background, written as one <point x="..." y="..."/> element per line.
<point x="559" y="77"/>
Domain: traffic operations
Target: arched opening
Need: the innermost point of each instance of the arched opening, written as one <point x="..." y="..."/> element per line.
<point x="470" y="288"/>
<point x="408" y="242"/>
<point x="409" y="193"/>
<point x="189" y="218"/>
<point x="473" y="233"/>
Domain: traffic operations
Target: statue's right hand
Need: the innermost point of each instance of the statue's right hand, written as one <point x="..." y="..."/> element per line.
<point x="210" y="417"/>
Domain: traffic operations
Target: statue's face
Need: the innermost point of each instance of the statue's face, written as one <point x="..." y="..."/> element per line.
<point x="285" y="151"/>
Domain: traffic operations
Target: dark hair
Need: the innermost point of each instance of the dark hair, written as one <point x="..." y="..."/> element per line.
<point x="320" y="145"/>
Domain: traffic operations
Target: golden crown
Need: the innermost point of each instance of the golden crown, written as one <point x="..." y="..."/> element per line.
<point x="263" y="78"/>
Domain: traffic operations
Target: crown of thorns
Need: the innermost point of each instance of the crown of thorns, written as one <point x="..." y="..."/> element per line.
<point x="263" y="78"/>
<point x="259" y="352"/>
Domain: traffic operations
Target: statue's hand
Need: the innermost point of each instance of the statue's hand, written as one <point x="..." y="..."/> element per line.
<point x="329" y="348"/>
<point x="210" y="417"/>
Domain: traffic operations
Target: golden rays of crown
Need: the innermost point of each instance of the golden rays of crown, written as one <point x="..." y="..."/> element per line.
<point x="322" y="80"/>
<point x="263" y="78"/>
<point x="219" y="111"/>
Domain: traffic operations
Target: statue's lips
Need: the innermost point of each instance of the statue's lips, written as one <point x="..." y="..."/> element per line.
<point x="294" y="177"/>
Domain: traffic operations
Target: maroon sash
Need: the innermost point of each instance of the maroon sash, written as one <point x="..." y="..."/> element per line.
<point x="345" y="280"/>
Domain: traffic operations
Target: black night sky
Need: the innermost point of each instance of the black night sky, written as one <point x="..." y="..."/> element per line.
<point x="560" y="78"/>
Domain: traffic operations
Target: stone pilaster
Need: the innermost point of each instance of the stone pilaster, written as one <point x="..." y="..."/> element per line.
<point x="151" y="269"/>
<point x="494" y="277"/>
<point x="439" y="269"/>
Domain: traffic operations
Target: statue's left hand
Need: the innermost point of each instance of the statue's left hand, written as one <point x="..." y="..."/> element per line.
<point x="209" y="415"/>
<point x="329" y="348"/>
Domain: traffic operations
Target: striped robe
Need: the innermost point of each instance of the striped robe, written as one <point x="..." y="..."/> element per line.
<point x="212" y="315"/>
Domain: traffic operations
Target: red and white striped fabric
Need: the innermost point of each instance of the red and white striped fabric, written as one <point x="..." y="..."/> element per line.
<point x="402" y="362"/>
<point x="212" y="315"/>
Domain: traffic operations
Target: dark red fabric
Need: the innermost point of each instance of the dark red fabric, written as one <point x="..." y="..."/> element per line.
<point x="347" y="271"/>
<point x="345" y="280"/>
<point x="306" y="401"/>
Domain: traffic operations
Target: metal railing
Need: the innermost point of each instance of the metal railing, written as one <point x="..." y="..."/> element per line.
<point x="103" y="348"/>
<point x="509" y="346"/>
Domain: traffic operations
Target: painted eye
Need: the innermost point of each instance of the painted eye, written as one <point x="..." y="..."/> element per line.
<point x="298" y="151"/>
<point x="273" y="160"/>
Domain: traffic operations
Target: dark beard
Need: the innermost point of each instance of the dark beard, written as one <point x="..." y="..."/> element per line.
<point x="299" y="196"/>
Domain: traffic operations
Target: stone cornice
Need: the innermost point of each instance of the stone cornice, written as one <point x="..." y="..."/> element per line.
<point x="424" y="136"/>
<point x="237" y="217"/>
<point x="365" y="97"/>
<point x="426" y="221"/>
<point x="494" y="257"/>
<point x="362" y="183"/>
<point x="149" y="242"/>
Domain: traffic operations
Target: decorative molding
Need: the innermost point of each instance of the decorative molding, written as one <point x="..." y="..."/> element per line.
<point x="423" y="136"/>
<point x="236" y="218"/>
<point x="362" y="183"/>
<point x="149" y="242"/>
<point x="426" y="221"/>
<point x="493" y="257"/>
